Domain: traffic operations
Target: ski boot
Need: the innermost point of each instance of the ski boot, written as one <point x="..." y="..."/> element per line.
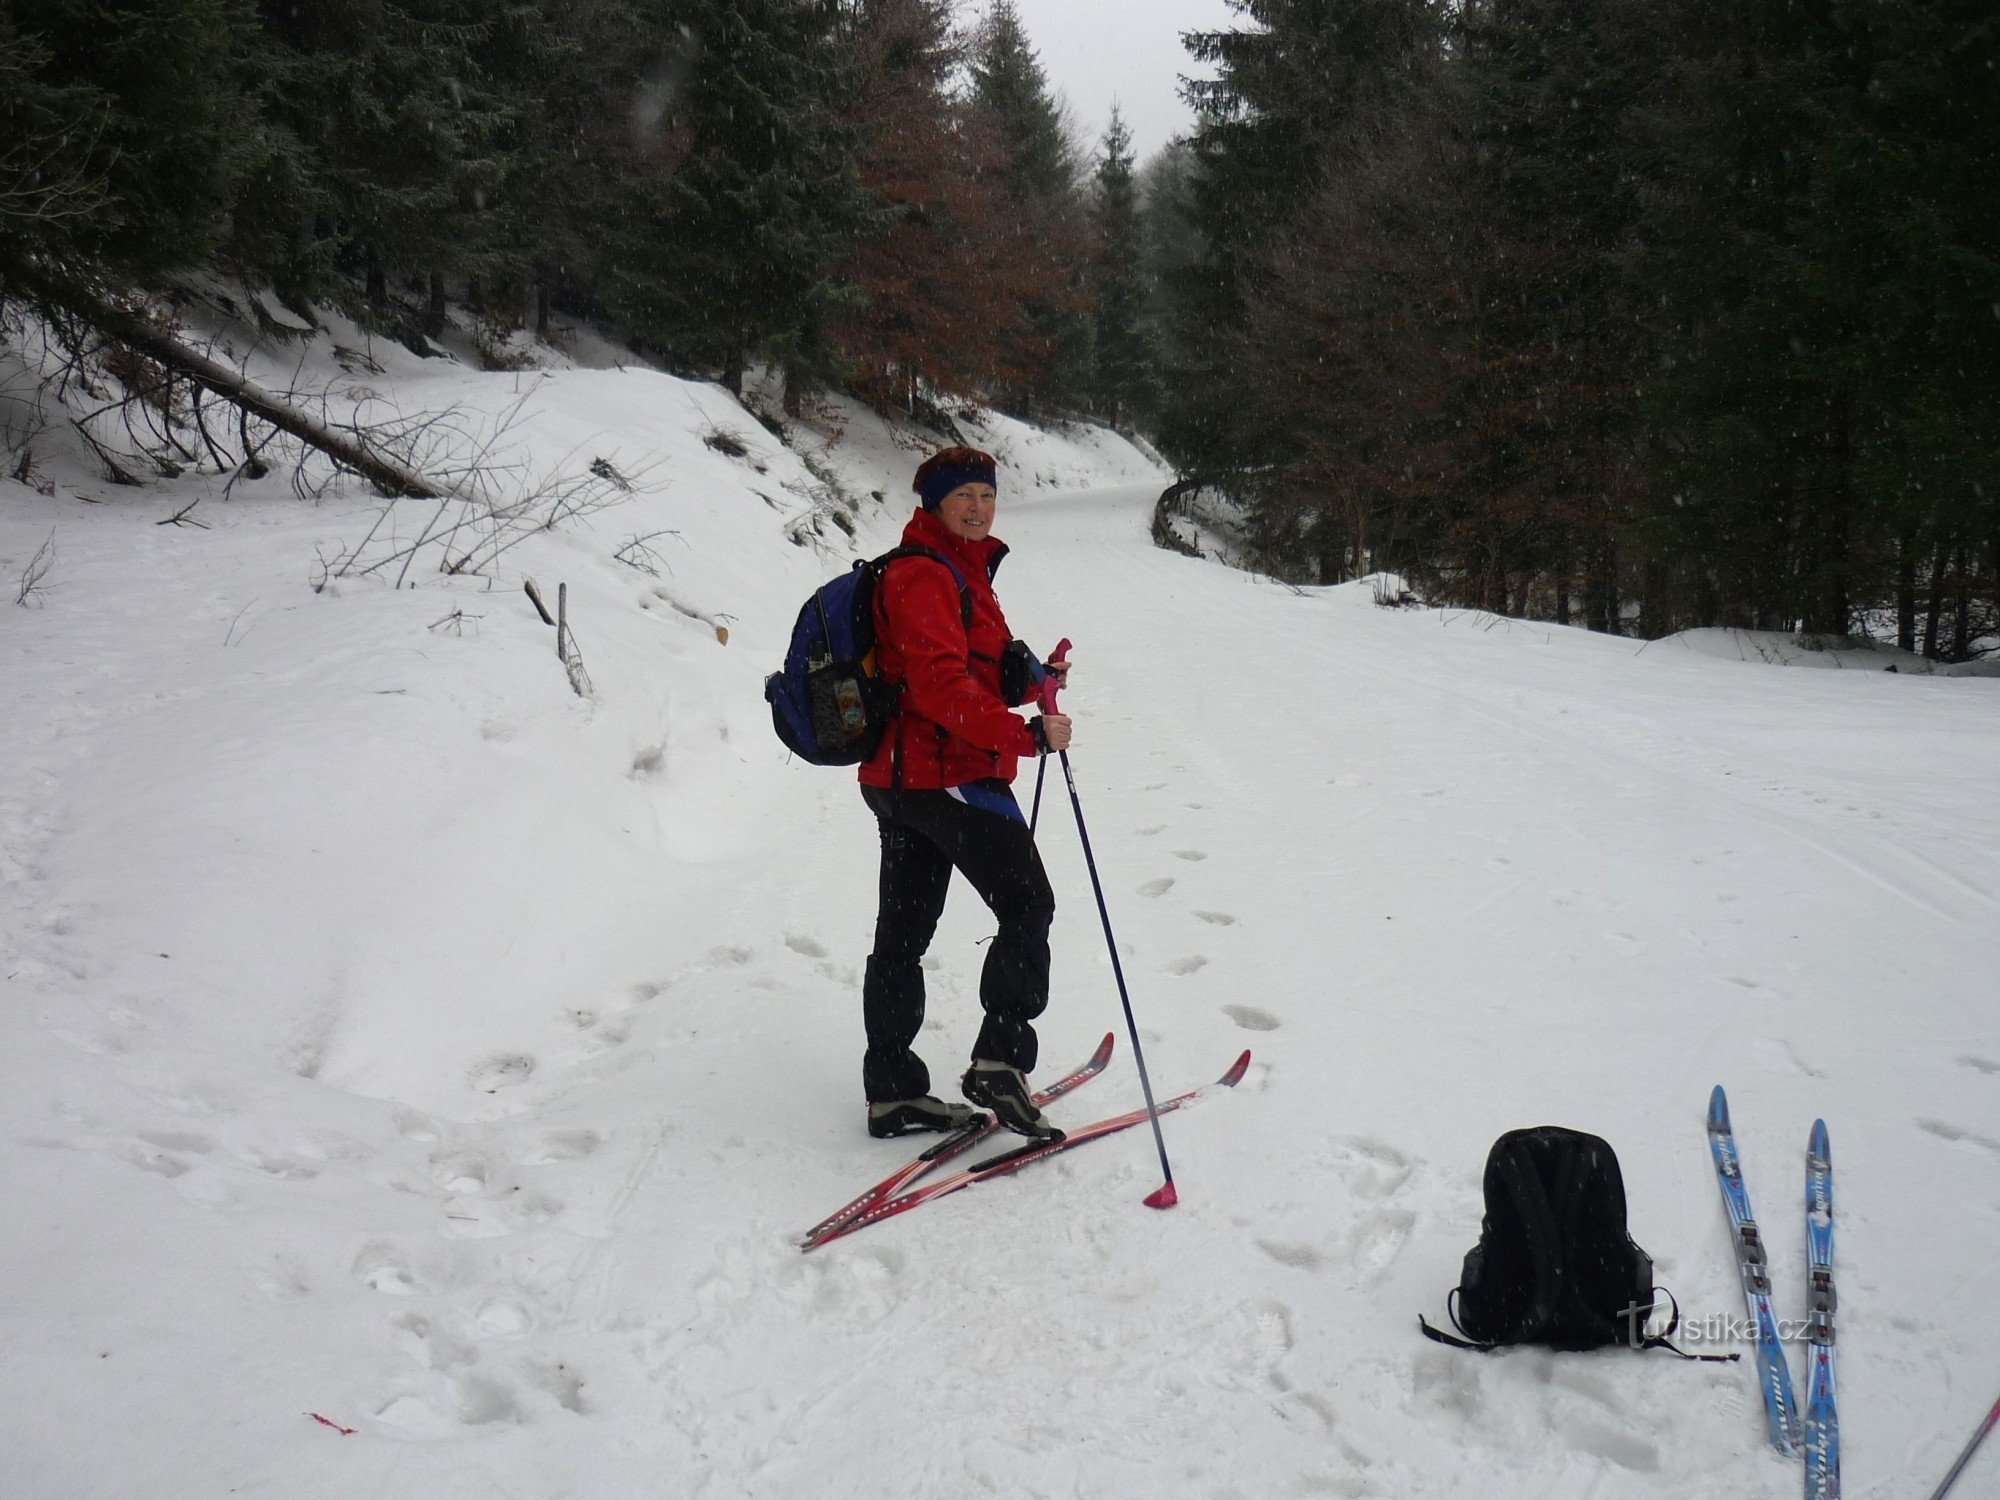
<point x="1004" y="1090"/>
<point x="908" y="1116"/>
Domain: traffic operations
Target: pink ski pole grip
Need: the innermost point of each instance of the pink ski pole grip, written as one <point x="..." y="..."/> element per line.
<point x="1047" y="703"/>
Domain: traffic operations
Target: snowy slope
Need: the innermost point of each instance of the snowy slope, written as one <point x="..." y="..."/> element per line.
<point x="397" y="1037"/>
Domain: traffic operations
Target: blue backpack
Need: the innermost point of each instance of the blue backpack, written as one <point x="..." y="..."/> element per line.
<point x="828" y="704"/>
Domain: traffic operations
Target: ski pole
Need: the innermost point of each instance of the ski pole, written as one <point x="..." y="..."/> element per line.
<point x="1164" y="1196"/>
<point x="1042" y="765"/>
<point x="1965" y="1457"/>
<point x="1035" y="813"/>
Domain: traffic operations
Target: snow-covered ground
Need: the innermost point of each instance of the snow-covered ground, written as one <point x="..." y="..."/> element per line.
<point x="396" y="1037"/>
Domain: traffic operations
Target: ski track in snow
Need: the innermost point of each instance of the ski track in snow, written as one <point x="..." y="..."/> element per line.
<point x="401" y="1039"/>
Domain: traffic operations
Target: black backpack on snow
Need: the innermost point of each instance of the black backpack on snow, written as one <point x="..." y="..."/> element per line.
<point x="1554" y="1264"/>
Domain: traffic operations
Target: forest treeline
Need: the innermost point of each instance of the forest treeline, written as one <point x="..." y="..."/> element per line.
<point x="1640" y="314"/>
<point x="862" y="193"/>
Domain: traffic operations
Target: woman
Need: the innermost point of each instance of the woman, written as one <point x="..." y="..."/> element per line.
<point x="939" y="789"/>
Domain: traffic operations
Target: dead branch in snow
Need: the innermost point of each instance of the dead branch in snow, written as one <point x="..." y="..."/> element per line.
<point x="636" y="554"/>
<point x="34" y="578"/>
<point x="572" y="659"/>
<point x="360" y="450"/>
<point x="141" y="374"/>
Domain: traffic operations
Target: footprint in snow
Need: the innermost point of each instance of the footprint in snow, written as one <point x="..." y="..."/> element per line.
<point x="153" y="1159"/>
<point x="1252" y="1019"/>
<point x="600" y="1032"/>
<point x="1193" y="963"/>
<point x="384" y="1268"/>
<point x="1157" y="887"/>
<point x="1979" y="1064"/>
<point x="178" y="1140"/>
<point x="1378" y="1239"/>
<point x="478" y="1217"/>
<point x="563" y="1145"/>
<point x="503" y="1318"/>
<point x="1193" y="856"/>
<point x="1217" y="918"/>
<point x="1146" y="833"/>
<point x="1958" y="1133"/>
<point x="459" y="1172"/>
<point x="416" y="1127"/>
<point x="500" y="1071"/>
<point x="561" y="1382"/>
<point x="443" y="1406"/>
<point x="1298" y="1257"/>
<point x="804" y="946"/>
<point x="284" y="1168"/>
<point x="1371" y="1169"/>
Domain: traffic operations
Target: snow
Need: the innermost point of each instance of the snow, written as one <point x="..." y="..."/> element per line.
<point x="398" y="1037"/>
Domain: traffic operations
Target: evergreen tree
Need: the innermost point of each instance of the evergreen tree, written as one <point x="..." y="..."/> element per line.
<point x="121" y="128"/>
<point x="1124" y="387"/>
<point x="1555" y="87"/>
<point x="944" y="280"/>
<point x="1014" y="116"/>
<point x="726" y="243"/>
<point x="1283" y="86"/>
<point x="1822" y="255"/>
<point x="1170" y="239"/>
<point x="376" y="132"/>
<point x="1011" y="90"/>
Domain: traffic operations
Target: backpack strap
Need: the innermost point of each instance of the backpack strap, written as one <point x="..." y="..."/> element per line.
<point x="1660" y="1340"/>
<point x="1451" y="1308"/>
<point x="964" y="591"/>
<point x="1664" y="1339"/>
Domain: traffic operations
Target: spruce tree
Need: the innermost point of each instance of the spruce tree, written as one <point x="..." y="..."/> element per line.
<point x="376" y="127"/>
<point x="747" y="198"/>
<point x="1821" y="258"/>
<point x="1123" y="387"/>
<point x="943" y="279"/>
<point x="1012" y="107"/>
<point x="1283" y="86"/>
<point x="121" y="134"/>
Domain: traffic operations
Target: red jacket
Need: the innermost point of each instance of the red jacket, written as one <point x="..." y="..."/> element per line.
<point x="952" y="726"/>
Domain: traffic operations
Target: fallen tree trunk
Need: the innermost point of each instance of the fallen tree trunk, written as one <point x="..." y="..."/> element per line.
<point x="386" y="472"/>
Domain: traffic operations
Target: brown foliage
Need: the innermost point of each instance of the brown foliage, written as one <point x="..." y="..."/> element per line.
<point x="945" y="286"/>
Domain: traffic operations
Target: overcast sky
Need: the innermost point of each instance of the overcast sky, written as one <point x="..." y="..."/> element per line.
<point x="1098" y="50"/>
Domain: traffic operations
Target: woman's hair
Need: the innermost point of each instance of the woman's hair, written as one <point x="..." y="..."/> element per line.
<point x="945" y="471"/>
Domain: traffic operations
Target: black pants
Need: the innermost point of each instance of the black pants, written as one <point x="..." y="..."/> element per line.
<point x="979" y="831"/>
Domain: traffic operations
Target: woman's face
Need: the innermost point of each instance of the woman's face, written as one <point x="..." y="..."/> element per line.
<point x="967" y="512"/>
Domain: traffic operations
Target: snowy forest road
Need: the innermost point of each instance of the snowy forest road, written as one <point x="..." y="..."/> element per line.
<point x="404" y="1040"/>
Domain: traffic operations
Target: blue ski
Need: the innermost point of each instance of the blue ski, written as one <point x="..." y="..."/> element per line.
<point x="1781" y="1412"/>
<point x="1822" y="1417"/>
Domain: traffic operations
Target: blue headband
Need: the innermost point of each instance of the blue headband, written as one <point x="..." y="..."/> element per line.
<point x="942" y="480"/>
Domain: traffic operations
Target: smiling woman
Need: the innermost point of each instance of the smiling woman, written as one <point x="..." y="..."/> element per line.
<point x="940" y="789"/>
